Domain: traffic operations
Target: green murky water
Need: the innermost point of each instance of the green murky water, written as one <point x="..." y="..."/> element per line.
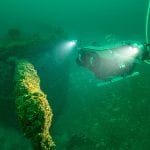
<point x="86" y="116"/>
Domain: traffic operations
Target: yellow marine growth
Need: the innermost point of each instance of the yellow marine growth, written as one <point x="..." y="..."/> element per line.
<point x="33" y="110"/>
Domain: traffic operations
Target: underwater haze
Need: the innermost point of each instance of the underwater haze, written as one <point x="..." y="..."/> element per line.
<point x="88" y="112"/>
<point x="79" y="17"/>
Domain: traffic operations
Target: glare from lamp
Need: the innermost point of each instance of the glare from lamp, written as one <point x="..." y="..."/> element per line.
<point x="66" y="48"/>
<point x="129" y="51"/>
<point x="133" y="51"/>
<point x="70" y="44"/>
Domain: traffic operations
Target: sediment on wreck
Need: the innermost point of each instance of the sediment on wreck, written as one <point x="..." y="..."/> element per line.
<point x="32" y="107"/>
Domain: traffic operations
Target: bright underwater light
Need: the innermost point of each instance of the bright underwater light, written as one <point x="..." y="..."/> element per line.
<point x="65" y="48"/>
<point x="131" y="51"/>
<point x="127" y="52"/>
<point x="70" y="44"/>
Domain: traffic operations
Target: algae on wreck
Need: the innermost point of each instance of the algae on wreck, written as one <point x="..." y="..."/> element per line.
<point x="33" y="110"/>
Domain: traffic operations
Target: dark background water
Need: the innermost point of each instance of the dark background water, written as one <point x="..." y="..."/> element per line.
<point x="86" y="116"/>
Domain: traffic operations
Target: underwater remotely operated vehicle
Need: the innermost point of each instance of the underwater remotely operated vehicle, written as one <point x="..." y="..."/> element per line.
<point x="117" y="61"/>
<point x="113" y="62"/>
